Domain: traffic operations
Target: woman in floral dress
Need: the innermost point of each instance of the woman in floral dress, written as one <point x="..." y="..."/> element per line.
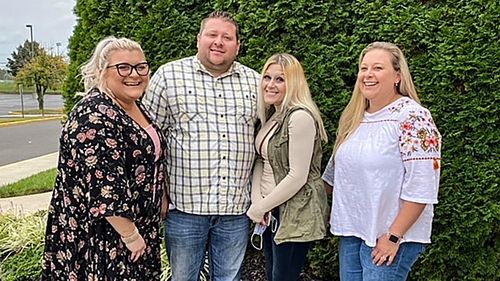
<point x="384" y="171"/>
<point x="103" y="220"/>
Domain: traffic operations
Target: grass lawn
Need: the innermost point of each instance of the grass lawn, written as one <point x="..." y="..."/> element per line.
<point x="11" y="87"/>
<point x="38" y="183"/>
<point x="16" y="115"/>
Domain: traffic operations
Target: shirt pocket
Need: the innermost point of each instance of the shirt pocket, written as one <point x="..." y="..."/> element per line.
<point x="186" y="107"/>
<point x="246" y="105"/>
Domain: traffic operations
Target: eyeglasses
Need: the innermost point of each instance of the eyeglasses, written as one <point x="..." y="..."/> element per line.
<point x="125" y="69"/>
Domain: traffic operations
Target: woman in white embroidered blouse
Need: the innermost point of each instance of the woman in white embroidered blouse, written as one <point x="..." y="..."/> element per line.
<point x="384" y="170"/>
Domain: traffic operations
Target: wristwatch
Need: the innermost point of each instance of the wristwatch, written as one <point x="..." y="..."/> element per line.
<point x="394" y="238"/>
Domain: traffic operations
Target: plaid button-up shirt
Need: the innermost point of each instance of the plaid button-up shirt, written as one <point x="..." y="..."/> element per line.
<point x="209" y="124"/>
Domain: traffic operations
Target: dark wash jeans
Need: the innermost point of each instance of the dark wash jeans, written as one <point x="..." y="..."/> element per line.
<point x="285" y="261"/>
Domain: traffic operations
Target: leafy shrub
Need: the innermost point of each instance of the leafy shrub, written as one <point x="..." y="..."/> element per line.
<point x="22" y="243"/>
<point x="21" y="246"/>
<point x="25" y="265"/>
<point x="452" y="50"/>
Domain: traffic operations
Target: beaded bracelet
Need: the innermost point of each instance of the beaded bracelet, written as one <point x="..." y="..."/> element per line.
<point x="132" y="237"/>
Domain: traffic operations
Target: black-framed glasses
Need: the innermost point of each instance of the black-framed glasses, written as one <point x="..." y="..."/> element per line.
<point x="125" y="69"/>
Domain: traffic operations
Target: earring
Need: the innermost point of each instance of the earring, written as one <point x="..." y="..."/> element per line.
<point x="398" y="90"/>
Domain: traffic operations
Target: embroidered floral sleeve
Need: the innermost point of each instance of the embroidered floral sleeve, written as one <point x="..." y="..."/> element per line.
<point x="420" y="148"/>
<point x="99" y="151"/>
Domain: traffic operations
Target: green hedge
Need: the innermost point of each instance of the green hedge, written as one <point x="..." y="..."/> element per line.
<point x="452" y="49"/>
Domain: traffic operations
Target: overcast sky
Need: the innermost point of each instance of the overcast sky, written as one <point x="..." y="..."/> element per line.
<point x="53" y="22"/>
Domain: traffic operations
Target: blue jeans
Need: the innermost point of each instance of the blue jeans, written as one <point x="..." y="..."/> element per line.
<point x="356" y="261"/>
<point x="189" y="236"/>
<point x="285" y="261"/>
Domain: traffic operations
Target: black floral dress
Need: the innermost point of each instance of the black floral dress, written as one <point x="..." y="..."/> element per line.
<point x="106" y="167"/>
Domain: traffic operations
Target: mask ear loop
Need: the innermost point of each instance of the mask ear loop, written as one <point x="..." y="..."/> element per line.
<point x="274" y="224"/>
<point x="259" y="239"/>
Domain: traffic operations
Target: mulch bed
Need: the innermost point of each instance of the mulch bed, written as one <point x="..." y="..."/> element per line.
<point x="254" y="267"/>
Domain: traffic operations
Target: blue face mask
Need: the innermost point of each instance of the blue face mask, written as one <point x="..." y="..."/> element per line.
<point x="256" y="238"/>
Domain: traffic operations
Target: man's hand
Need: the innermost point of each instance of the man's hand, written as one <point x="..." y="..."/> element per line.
<point x="164" y="207"/>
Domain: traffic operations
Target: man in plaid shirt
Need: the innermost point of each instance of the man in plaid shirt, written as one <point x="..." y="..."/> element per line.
<point x="206" y="105"/>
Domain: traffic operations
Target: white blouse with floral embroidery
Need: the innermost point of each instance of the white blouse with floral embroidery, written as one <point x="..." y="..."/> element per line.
<point x="394" y="155"/>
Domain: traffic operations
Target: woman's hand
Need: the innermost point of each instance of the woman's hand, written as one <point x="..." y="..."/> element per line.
<point x="266" y="220"/>
<point x="129" y="234"/>
<point x="256" y="216"/>
<point x="137" y="247"/>
<point x="384" y="251"/>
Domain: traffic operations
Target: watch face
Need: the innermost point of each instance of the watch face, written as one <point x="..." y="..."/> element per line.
<point x="394" y="238"/>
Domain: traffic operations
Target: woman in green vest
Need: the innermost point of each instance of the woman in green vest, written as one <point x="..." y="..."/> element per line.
<point x="289" y="204"/>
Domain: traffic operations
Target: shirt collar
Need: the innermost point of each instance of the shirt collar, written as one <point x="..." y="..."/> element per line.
<point x="235" y="68"/>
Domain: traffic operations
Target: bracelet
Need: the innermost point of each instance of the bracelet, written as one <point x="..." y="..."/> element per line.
<point x="132" y="237"/>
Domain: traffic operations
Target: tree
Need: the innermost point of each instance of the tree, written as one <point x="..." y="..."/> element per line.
<point x="23" y="55"/>
<point x="4" y="75"/>
<point x="44" y="71"/>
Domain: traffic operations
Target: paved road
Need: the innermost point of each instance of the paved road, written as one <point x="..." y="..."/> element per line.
<point x="21" y="142"/>
<point x="12" y="102"/>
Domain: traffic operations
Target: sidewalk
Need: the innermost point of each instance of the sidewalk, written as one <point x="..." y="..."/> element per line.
<point x="22" y="205"/>
<point x="14" y="172"/>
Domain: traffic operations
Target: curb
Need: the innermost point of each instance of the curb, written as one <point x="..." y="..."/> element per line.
<point x="28" y="121"/>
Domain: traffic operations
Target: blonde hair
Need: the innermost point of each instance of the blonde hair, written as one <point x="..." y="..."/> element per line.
<point x="93" y="70"/>
<point x="297" y="90"/>
<point x="353" y="113"/>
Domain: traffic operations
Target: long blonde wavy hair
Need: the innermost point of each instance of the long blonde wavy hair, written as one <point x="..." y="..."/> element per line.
<point x="353" y="113"/>
<point x="297" y="90"/>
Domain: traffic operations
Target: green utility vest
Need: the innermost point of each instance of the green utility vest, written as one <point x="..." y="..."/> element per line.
<point x="304" y="217"/>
